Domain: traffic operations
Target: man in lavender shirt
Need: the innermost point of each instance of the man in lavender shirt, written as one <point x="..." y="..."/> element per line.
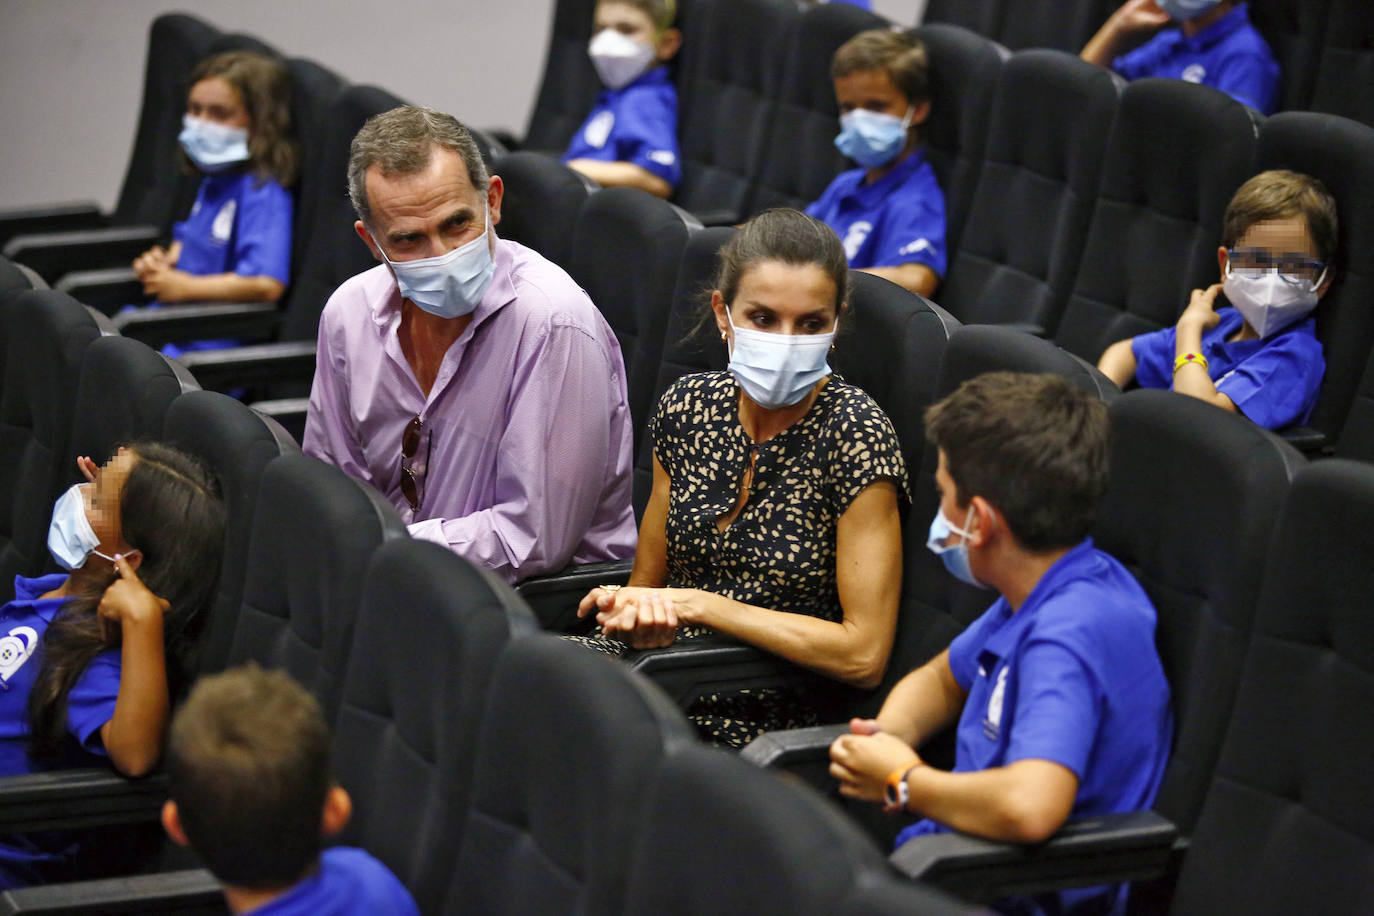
<point x="466" y="377"/>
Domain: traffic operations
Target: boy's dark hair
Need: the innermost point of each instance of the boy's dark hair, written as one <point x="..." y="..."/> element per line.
<point x="789" y="236"/>
<point x="660" y="12"/>
<point x="265" y="87"/>
<point x="400" y="142"/>
<point x="902" y="56"/>
<point x="1281" y="194"/>
<point x="1032" y="445"/>
<point x="248" y="762"/>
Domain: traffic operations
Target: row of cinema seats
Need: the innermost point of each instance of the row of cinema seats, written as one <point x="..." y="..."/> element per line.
<point x="1076" y="208"/>
<point x="492" y="767"/>
<point x="486" y="794"/>
<point x="1322" y="46"/>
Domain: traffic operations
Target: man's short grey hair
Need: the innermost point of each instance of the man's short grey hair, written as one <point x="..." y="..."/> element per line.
<point x="399" y="143"/>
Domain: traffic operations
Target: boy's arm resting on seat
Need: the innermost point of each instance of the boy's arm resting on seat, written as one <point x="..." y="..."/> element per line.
<point x="133" y="736"/>
<point x="918" y="278"/>
<point x="1130" y="18"/>
<point x="172" y="285"/>
<point x="622" y="175"/>
<point x="1192" y="378"/>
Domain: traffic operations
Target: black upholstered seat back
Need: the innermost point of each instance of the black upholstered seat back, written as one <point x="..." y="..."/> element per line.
<point x="314" y="531"/>
<point x="541" y="202"/>
<point x="1021" y="246"/>
<point x="1176" y="154"/>
<point x="1288" y="823"/>
<point x="1192" y="501"/>
<point x="570" y="84"/>
<point x="430" y="629"/>
<point x="46" y="335"/>
<point x="1345" y="63"/>
<point x="571" y="740"/>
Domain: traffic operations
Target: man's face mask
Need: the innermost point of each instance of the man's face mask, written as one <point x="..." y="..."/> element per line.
<point x="449" y="285"/>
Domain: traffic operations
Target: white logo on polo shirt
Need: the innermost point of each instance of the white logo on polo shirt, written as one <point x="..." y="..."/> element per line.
<point x="918" y="245"/>
<point x="15" y="649"/>
<point x="598" y="129"/>
<point x="223" y="226"/>
<point x="1194" y="73"/>
<point x="992" y="722"/>
<point x="855" y="237"/>
<point x="662" y="157"/>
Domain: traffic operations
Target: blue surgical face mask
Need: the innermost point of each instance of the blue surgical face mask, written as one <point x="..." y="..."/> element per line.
<point x="213" y="147"/>
<point x="450" y="285"/>
<point x="954" y="556"/>
<point x="777" y="370"/>
<point x="70" y="535"/>
<point x="1182" y="10"/>
<point x="871" y="138"/>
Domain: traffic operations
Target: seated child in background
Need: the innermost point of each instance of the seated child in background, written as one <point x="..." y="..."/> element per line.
<point x="1060" y="696"/>
<point x="1212" y="43"/>
<point x="890" y="212"/>
<point x="251" y="792"/>
<point x="630" y="137"/>
<point x="236" y="244"/>
<point x="1261" y="357"/>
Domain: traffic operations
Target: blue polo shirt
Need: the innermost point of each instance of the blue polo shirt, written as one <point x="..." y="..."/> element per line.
<point x="349" y="881"/>
<point x="1229" y="55"/>
<point x="91" y="702"/>
<point x="241" y="224"/>
<point x="90" y="705"/>
<point x="636" y="124"/>
<point x="1273" y="380"/>
<point x="1072" y="677"/>
<point x="898" y="219"/>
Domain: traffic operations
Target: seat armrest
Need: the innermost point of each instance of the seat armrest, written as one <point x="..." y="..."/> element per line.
<point x="192" y="890"/>
<point x="53" y="254"/>
<point x="86" y="797"/>
<point x="108" y="289"/>
<point x="789" y="747"/>
<point x="720" y="217"/>
<point x="53" y="218"/>
<point x="200" y="321"/>
<point x="1307" y="440"/>
<point x="553" y="597"/>
<point x="289" y="413"/>
<point x="712" y="664"/>
<point x="221" y="370"/>
<point x="1092" y="850"/>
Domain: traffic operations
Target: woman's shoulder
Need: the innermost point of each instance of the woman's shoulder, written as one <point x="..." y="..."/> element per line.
<point x="848" y="403"/>
<point x="696" y="386"/>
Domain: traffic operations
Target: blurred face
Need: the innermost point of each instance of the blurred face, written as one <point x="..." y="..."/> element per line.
<point x="215" y="100"/>
<point x="1284" y="245"/>
<point x="871" y="90"/>
<point x="779" y="298"/>
<point x="102" y="502"/>
<point x="429" y="213"/>
<point x="627" y="19"/>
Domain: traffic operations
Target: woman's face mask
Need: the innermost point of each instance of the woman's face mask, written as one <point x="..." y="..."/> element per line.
<point x="778" y="370"/>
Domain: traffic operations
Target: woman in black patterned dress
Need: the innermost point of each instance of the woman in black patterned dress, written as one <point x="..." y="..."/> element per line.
<point x="774" y="513"/>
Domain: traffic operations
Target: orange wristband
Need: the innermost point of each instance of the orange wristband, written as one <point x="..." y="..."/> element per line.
<point x="896" y="792"/>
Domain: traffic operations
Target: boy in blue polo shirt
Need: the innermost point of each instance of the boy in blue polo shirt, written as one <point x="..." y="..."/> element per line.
<point x="1212" y="43"/>
<point x="1261" y="357"/>
<point x="889" y="212"/>
<point x="1061" y="700"/>
<point x="251" y="792"/>
<point x="630" y="137"/>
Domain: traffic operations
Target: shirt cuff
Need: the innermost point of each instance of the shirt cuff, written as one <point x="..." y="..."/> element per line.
<point x="431" y="529"/>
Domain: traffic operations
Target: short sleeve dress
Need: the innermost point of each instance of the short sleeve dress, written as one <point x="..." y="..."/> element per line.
<point x="779" y="552"/>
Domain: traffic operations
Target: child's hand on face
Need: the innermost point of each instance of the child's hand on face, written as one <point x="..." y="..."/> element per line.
<point x="1139" y="15"/>
<point x="89" y="469"/>
<point x="1201" y="310"/>
<point x="128" y="602"/>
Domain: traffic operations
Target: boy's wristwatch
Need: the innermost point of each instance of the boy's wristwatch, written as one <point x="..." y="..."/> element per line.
<point x="896" y="792"/>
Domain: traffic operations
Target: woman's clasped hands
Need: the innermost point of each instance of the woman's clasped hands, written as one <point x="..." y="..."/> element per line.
<point x="644" y="618"/>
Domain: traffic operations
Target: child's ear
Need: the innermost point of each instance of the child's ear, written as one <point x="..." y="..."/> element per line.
<point x="338" y="808"/>
<point x="669" y="43"/>
<point x="920" y="111"/>
<point x="1222" y="257"/>
<point x="171" y="822"/>
<point x="134" y="558"/>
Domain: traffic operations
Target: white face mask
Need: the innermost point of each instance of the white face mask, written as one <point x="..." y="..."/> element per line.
<point x="449" y="285"/>
<point x="1269" y="301"/>
<point x="213" y="147"/>
<point x="618" y="58"/>
<point x="777" y="370"/>
<point x="70" y="535"/>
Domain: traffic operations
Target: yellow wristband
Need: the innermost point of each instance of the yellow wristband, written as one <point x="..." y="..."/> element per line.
<point x="1184" y="359"/>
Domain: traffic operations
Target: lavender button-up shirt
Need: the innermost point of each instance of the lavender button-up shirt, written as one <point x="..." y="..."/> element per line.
<point x="526" y="449"/>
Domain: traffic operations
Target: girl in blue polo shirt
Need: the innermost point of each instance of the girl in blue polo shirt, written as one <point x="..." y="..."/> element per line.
<point x="236" y="244"/>
<point x="83" y="669"/>
<point x="1261" y="357"/>
<point x="630" y="137"/>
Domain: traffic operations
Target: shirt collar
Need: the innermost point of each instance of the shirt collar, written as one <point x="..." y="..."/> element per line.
<point x="1066" y="567"/>
<point x="27" y="593"/>
<point x="1237" y="18"/>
